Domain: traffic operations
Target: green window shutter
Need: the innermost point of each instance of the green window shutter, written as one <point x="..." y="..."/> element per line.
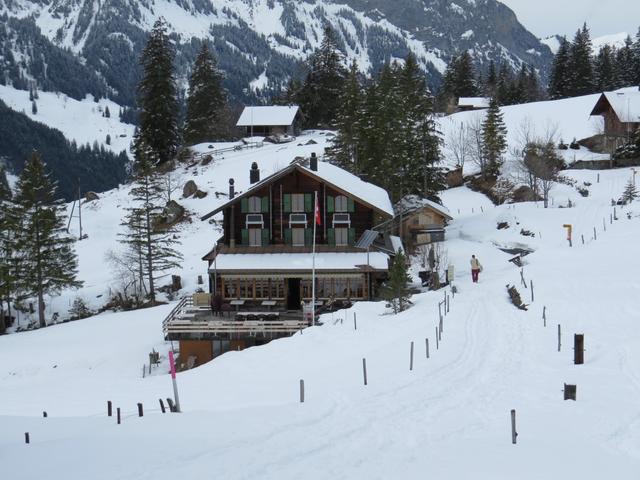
<point x="265" y="204"/>
<point x="308" y="236"/>
<point x="244" y="205"/>
<point x="287" y="236"/>
<point x="352" y="236"/>
<point x="286" y="200"/>
<point x="330" y="204"/>
<point x="265" y="236"/>
<point x="331" y="234"/>
<point x="245" y="237"/>
<point x="308" y="203"/>
<point x="351" y="205"/>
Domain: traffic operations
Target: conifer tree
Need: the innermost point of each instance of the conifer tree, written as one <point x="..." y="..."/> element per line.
<point x="465" y="77"/>
<point x="207" y="100"/>
<point x="157" y="97"/>
<point x="636" y="58"/>
<point x="630" y="192"/>
<point x="494" y="140"/>
<point x="625" y="65"/>
<point x="504" y="90"/>
<point x="579" y="65"/>
<point x="320" y="93"/>
<point x="107" y="112"/>
<point x="344" y="150"/>
<point x="491" y="81"/>
<point x="605" y="75"/>
<point x="149" y="244"/>
<point x="48" y="263"/>
<point x="8" y="229"/>
<point x="396" y="289"/>
<point x="558" y="84"/>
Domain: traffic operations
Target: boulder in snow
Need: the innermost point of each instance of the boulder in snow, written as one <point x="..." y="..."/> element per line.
<point x="189" y="189"/>
<point x="91" y="196"/>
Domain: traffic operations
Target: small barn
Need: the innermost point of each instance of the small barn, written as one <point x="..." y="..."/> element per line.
<point x="270" y="120"/>
<point x="621" y="113"/>
<point x="419" y="221"/>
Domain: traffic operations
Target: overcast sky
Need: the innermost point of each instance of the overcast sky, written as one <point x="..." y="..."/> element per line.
<point x="604" y="17"/>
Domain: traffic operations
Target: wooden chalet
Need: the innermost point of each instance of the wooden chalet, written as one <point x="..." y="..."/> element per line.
<point x="270" y="120"/>
<point x="418" y="222"/>
<point x="621" y="113"/>
<point x="467" y="104"/>
<point x="261" y="269"/>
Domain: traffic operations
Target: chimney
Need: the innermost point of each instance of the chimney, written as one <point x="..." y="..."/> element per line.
<point x="232" y="190"/>
<point x="254" y="173"/>
<point x="313" y="162"/>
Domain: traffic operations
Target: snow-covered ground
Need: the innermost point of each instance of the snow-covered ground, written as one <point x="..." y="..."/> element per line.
<point x="82" y="121"/>
<point x="566" y="119"/>
<point x="447" y="419"/>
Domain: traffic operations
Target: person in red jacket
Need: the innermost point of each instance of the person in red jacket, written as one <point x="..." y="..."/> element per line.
<point x="476" y="268"/>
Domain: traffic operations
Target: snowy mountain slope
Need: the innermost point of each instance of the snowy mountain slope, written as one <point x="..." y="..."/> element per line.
<point x="80" y="121"/>
<point x="569" y="119"/>
<point x="446" y="419"/>
<point x="265" y="39"/>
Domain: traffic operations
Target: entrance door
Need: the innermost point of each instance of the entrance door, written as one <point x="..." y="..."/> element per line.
<point x="293" y="294"/>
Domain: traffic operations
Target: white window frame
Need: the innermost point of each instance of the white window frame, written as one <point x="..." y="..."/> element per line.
<point x="341" y="204"/>
<point x="252" y="237"/>
<point x="254" y="205"/>
<point x="255" y="219"/>
<point x="293" y="237"/>
<point x="341" y="219"/>
<point x="346" y="236"/>
<point x="297" y="219"/>
<point x="297" y="202"/>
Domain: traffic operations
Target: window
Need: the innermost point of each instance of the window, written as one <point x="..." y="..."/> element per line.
<point x="255" y="205"/>
<point x="297" y="237"/>
<point x="255" y="219"/>
<point x="297" y="202"/>
<point x="255" y="237"/>
<point x="343" y="219"/>
<point x="342" y="237"/>
<point x="342" y="204"/>
<point x="298" y="219"/>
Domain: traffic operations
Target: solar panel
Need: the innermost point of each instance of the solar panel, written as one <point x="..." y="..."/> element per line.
<point x="367" y="239"/>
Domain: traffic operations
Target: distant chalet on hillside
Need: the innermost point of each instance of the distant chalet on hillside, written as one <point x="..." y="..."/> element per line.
<point x="260" y="270"/>
<point x="271" y="120"/>
<point x="466" y="104"/>
<point x="621" y="113"/>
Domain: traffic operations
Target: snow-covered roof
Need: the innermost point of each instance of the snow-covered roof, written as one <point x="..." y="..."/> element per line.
<point x="475" y="102"/>
<point x="272" y="116"/>
<point x="625" y="104"/>
<point x="325" y="261"/>
<point x="414" y="202"/>
<point x="349" y="183"/>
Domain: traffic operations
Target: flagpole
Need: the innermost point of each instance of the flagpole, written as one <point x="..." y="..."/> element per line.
<point x="313" y="268"/>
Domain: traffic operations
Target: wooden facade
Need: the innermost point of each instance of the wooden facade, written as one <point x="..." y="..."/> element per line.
<point x="614" y="126"/>
<point x="422" y="226"/>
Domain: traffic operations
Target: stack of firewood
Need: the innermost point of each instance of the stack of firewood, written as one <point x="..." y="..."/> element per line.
<point x="515" y="297"/>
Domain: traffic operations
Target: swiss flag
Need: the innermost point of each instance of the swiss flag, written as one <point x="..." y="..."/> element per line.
<point x="317" y="212"/>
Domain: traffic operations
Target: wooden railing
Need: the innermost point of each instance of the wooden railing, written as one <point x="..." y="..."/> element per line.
<point x="235" y="148"/>
<point x="186" y="318"/>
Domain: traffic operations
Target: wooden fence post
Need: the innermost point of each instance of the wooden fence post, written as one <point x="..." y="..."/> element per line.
<point x="27" y="440"/>
<point x="172" y="407"/>
<point x="364" y="370"/>
<point x="598" y="178"/>
<point x="595" y="234"/>
<point x="514" y="434"/>
<point x="162" y="406"/>
<point x="411" y="358"/>
<point x="604" y="225"/>
<point x="582" y="239"/>
<point x="109" y="408"/>
<point x="437" y="342"/>
<point x="531" y="291"/>
<point x="544" y="315"/>
<point x="559" y="338"/>
<point x="426" y="341"/>
<point x="301" y="391"/>
<point x="140" y="411"/>
<point x="44" y="414"/>
<point x="578" y="349"/>
<point x="570" y="392"/>
<point x="118" y="415"/>
<point x="355" y="323"/>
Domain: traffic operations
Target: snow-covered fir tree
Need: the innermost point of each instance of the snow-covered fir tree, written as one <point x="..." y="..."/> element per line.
<point x="558" y="83"/>
<point x="579" y="65"/>
<point x="494" y="140"/>
<point x="8" y="228"/>
<point x="48" y="263"/>
<point x="157" y="97"/>
<point x="630" y="192"/>
<point x="396" y="288"/>
<point x="207" y="100"/>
